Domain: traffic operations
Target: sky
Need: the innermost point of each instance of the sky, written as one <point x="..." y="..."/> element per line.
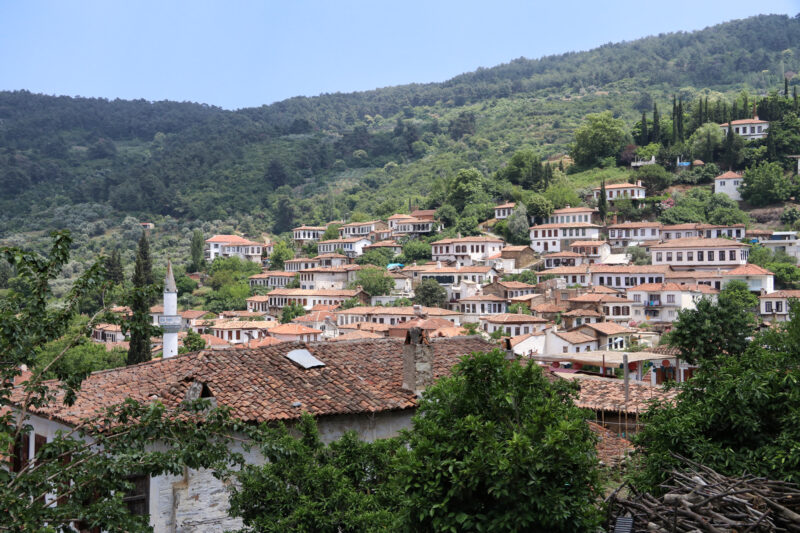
<point x="242" y="53"/>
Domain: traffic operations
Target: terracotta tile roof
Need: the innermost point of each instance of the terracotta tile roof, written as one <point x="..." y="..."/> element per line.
<point x="581" y="312"/>
<point x="399" y="216"/>
<point x="343" y="241"/>
<point x="748" y="270"/>
<point x="548" y="308"/>
<point x="261" y="385"/>
<point x="356" y="335"/>
<point x="520" y="338"/>
<point x="273" y="274"/>
<point x="578" y="269"/>
<point x="674" y="227"/>
<point x="357" y="224"/>
<point x="384" y="244"/>
<point x="367" y="326"/>
<point x="608" y="328"/>
<point x="562" y="254"/>
<point x="602" y="289"/>
<point x="343" y="293"/>
<point x="258" y="343"/>
<point x="728" y="175"/>
<point x="696" y="242"/>
<point x="245" y="324"/>
<point x="328" y="256"/>
<point x="483" y="298"/>
<point x="315" y="316"/>
<point x="107" y="327"/>
<point x="312" y="228"/>
<point x="665" y="349"/>
<point x="293" y="329"/>
<point x="566" y="225"/>
<point x="191" y="314"/>
<point x="233" y="240"/>
<point x="513" y="318"/>
<point x="406" y="310"/>
<point x="157" y="309"/>
<point x="431" y="323"/>
<point x="449" y="331"/>
<point x="626" y="225"/>
<point x="565" y="210"/>
<point x="746" y="121"/>
<point x="574" y="337"/>
<point x="477" y="238"/>
<point x="576" y="244"/>
<point x="516" y="248"/>
<point x="595" y="297"/>
<point x="509" y="205"/>
<point x="516" y="285"/>
<point x="423" y="213"/>
<point x="782" y="294"/>
<point x="212" y="341"/>
<point x="619" y="186"/>
<point x="324" y="307"/>
<point x="658" y="287"/>
<point x="609" y="395"/>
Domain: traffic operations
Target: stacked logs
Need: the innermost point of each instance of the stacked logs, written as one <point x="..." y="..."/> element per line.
<point x="698" y="499"/>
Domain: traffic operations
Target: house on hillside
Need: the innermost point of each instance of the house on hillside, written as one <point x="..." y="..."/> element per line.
<point x="659" y="303"/>
<point x="619" y="191"/>
<point x="728" y="184"/>
<point x="503" y="211"/>
<point x="593" y="251"/>
<point x="700" y="254"/>
<point x="301" y="263"/>
<point x="634" y="234"/>
<point x="570" y="215"/>
<point x="272" y="279"/>
<point x="512" y="324"/>
<point x="351" y="247"/>
<point x="466" y="251"/>
<point x="748" y="128"/>
<point x="774" y="306"/>
<point x="361" y="229"/>
<point x="233" y="246"/>
<point x="512" y="259"/>
<point x="307" y="234"/>
<point x="557" y="237"/>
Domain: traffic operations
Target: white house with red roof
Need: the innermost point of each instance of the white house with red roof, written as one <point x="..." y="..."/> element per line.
<point x="503" y="211"/>
<point x="478" y="305"/>
<point x="633" y="233"/>
<point x="512" y="324"/>
<point x="233" y="246"/>
<point x="361" y="229"/>
<point x="466" y="251"/>
<point x="295" y="333"/>
<point x="619" y="191"/>
<point x="728" y="184"/>
<point x="568" y="215"/>
<point x="758" y="279"/>
<point x="547" y="238"/>
<point x="272" y="279"/>
<point x="747" y="128"/>
<point x="593" y="251"/>
<point x="303" y="235"/>
<point x="661" y="302"/>
<point x="700" y="254"/>
<point x="350" y="246"/>
<point x="774" y="306"/>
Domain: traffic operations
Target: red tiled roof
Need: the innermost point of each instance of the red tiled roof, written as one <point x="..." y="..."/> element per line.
<point x="260" y="385"/>
<point x="548" y="308"/>
<point x="574" y="337"/>
<point x="565" y="225"/>
<point x="746" y="121"/>
<point x="782" y="294"/>
<point x="233" y="240"/>
<point x="293" y="329"/>
<point x="562" y="254"/>
<point x="483" y="298"/>
<point x="696" y="242"/>
<point x="565" y="210"/>
<point x="620" y="186"/>
<point x="516" y="285"/>
<point x="728" y="175"/>
<point x="191" y="314"/>
<point x="581" y="312"/>
<point x="509" y="205"/>
<point x="608" y="328"/>
<point x="626" y="225"/>
<point x="576" y="244"/>
<point x="513" y="318"/>
<point x="748" y="270"/>
<point x="356" y="335"/>
<point x="609" y="395"/>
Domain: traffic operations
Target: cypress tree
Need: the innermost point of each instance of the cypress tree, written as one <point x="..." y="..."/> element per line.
<point x="786" y="87"/>
<point x="198" y="244"/>
<point x="705" y="113"/>
<point x="656" y="131"/>
<point x="680" y="120"/>
<point x="602" y="202"/>
<point x="114" y="272"/>
<point x="139" y="350"/>
<point x="674" y="120"/>
<point x="709" y="148"/>
<point x="794" y="93"/>
<point x="644" y="137"/>
<point x="730" y="146"/>
<point x="745" y="107"/>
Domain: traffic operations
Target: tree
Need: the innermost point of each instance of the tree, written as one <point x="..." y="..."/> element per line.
<point x="655" y="132"/>
<point x="602" y="202"/>
<point x="525" y="169"/>
<point x="376" y="256"/>
<point x="447" y="215"/>
<point x="519" y="308"/>
<point x="639" y="256"/>
<point x="706" y="141"/>
<point x="467" y="187"/>
<point x="430" y="294"/>
<point x="600" y="136"/>
<point x="738" y="416"/>
<point x="654" y="178"/>
<point x="305" y="485"/>
<point x="140" y="326"/>
<point x="644" y="136"/>
<point x="88" y="484"/>
<point x="538" y="206"/>
<point x="197" y="252"/>
<point x="518" y="225"/>
<point x="765" y="184"/>
<point x="276" y="174"/>
<point x="193" y="342"/>
<point x="281" y="252"/>
<point x="331" y="232"/>
<point x="291" y="311"/>
<point x="707" y="331"/>
<point x="114" y="272"/>
<point x="416" y="250"/>
<point x="464" y="124"/>
<point x="374" y="281"/>
<point x="499" y="447"/>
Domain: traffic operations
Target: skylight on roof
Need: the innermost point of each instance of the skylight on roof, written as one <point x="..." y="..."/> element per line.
<point x="304" y="359"/>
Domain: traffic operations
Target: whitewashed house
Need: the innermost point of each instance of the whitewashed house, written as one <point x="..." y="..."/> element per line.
<point x="681" y="231"/>
<point x="758" y="279"/>
<point x="747" y="128"/>
<point x="503" y="211"/>
<point x="618" y="191"/>
<point x="570" y="215"/>
<point x="307" y="234"/>
<point x="565" y="258"/>
<point x="661" y="302"/>
<point x="728" y="184"/>
<point x="512" y="324"/>
<point x="233" y="246"/>
<point x="301" y="263"/>
<point x="557" y="237"/>
<point x="593" y="251"/>
<point x="476" y="306"/>
<point x="241" y="331"/>
<point x="351" y="246"/>
<point x="272" y="279"/>
<point x="466" y="251"/>
<point x="774" y="306"/>
<point x="700" y="254"/>
<point x="361" y="230"/>
<point x="633" y="233"/>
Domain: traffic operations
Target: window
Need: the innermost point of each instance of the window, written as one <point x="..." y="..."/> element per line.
<point x="565" y="349"/>
<point x="778" y="307"/>
<point x="679" y="256"/>
<point x="767" y="307"/>
<point x="637" y="297"/>
<point x="659" y="256"/>
<point x="670" y="298"/>
<point x="690" y="256"/>
<point x="669" y="256"/>
<point x="722" y="255"/>
<point x="699" y="255"/>
<point x="137" y="498"/>
<point x="732" y="255"/>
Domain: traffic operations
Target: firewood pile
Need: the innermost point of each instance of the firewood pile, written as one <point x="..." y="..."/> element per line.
<point x="698" y="499"/>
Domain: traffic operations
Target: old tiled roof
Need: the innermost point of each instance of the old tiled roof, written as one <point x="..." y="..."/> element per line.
<point x="357" y="224"/>
<point x="449" y="331"/>
<point x="665" y="349"/>
<point x="728" y="175"/>
<point x="565" y="225"/>
<point x="157" y="308"/>
<point x="400" y="310"/>
<point x="602" y="289"/>
<point x="611" y="448"/>
<point x="562" y="254"/>
<point x="574" y="337"/>
<point x="233" y="240"/>
<point x="565" y="210"/>
<point x="674" y="227"/>
<point x="748" y="270"/>
<point x="596" y="297"/>
<point x="608" y="328"/>
<point x="273" y="274"/>
<point x="483" y="298"/>
<point x="513" y="318"/>
<point x="311" y="228"/>
<point x="260" y="385"/>
<point x="578" y="269"/>
<point x="516" y="285"/>
<point x="548" y="308"/>
<point x="329" y="256"/>
<point x="644" y="224"/>
<point x="384" y="244"/>
<point x="578" y="244"/>
<point x="782" y="294"/>
<point x="419" y="213"/>
<point x="516" y="248"/>
<point x="293" y="329"/>
<point x="581" y="312"/>
<point x="461" y="240"/>
<point x="356" y="335"/>
<point x="755" y="120"/>
<point x="315" y="316"/>
<point x="620" y="186"/>
<point x="190" y="314"/>
<point x="657" y="287"/>
<point x="696" y="242"/>
<point x="609" y="395"/>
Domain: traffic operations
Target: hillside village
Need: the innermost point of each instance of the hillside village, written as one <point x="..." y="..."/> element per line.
<point x="586" y="265"/>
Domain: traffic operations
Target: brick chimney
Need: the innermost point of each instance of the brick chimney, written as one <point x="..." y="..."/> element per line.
<point x="417" y="361"/>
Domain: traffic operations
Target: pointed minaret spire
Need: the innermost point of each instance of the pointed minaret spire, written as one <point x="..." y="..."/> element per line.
<point x="170" y="321"/>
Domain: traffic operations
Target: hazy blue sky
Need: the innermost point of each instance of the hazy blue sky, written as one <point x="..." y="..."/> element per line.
<point x="238" y="53"/>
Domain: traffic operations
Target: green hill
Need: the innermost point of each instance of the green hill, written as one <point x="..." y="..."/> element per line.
<point x="85" y="163"/>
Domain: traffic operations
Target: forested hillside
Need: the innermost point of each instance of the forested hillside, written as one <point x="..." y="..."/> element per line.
<point x="309" y="160"/>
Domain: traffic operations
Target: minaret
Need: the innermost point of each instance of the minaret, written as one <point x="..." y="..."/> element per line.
<point x="170" y="321"/>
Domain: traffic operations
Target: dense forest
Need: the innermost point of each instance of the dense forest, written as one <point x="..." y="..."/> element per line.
<point x="80" y="161"/>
